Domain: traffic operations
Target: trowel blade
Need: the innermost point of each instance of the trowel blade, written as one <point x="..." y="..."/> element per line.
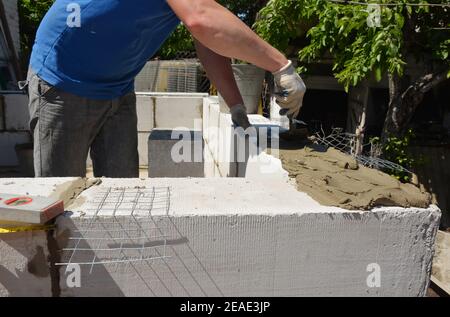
<point x="298" y="130"/>
<point x="300" y="122"/>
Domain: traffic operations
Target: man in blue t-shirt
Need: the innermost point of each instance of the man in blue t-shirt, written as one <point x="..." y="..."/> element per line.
<point x="86" y="56"/>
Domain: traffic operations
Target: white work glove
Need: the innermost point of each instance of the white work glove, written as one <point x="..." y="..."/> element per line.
<point x="239" y="116"/>
<point x="289" y="90"/>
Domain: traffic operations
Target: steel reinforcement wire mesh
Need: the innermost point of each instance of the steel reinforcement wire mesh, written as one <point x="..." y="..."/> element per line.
<point x="347" y="143"/>
<point x="122" y="228"/>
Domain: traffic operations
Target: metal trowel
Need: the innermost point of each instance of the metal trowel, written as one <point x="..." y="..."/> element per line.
<point x="298" y="130"/>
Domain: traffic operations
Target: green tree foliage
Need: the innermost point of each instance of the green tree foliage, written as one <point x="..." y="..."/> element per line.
<point x="246" y="10"/>
<point x="406" y="35"/>
<point x="181" y="40"/>
<point x="396" y="149"/>
<point x="31" y="13"/>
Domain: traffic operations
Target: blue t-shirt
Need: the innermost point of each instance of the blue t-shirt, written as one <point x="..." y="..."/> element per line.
<point x="100" y="56"/>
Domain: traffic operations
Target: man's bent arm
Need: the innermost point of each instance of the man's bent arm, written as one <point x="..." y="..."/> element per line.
<point x="219" y="71"/>
<point x="222" y="32"/>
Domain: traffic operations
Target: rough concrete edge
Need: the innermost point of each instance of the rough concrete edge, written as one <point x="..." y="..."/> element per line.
<point x="430" y="233"/>
<point x="64" y="228"/>
<point x="69" y="193"/>
<point x="439" y="283"/>
<point x="430" y="239"/>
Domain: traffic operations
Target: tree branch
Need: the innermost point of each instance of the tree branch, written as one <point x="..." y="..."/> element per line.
<point x="414" y="93"/>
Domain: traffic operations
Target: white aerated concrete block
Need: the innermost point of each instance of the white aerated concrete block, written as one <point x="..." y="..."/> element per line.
<point x="179" y="112"/>
<point x="17" y="115"/>
<point x="216" y="170"/>
<point x="237" y="237"/>
<point x="223" y="237"/>
<point x="24" y="256"/>
<point x="175" y="153"/>
<point x="259" y="164"/>
<point x="8" y="141"/>
<point x="210" y="164"/>
<point x="44" y="187"/>
<point x="275" y="116"/>
<point x="206" y="109"/>
<point x="227" y="153"/>
<point x="213" y="130"/>
<point x="24" y="269"/>
<point x="263" y="166"/>
<point x="143" y="148"/>
<point x="145" y="107"/>
<point x="242" y="155"/>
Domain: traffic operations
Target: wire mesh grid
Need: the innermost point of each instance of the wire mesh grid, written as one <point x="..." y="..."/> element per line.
<point x="122" y="228"/>
<point x="347" y="143"/>
<point x="172" y="76"/>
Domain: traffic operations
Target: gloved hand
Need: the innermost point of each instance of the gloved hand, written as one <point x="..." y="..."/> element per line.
<point x="239" y="116"/>
<point x="289" y="90"/>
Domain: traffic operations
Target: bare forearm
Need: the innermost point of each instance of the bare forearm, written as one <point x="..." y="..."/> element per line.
<point x="221" y="31"/>
<point x="219" y="71"/>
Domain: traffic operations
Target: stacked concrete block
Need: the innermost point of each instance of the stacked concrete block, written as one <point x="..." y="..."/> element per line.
<point x="145" y="108"/>
<point x="235" y="237"/>
<point x="209" y="163"/>
<point x="24" y="270"/>
<point x="258" y="163"/>
<point x="8" y="141"/>
<point x="227" y="154"/>
<point x="165" y="111"/>
<point x="213" y="130"/>
<point x="15" y="128"/>
<point x="143" y="148"/>
<point x="17" y="116"/>
<point x="275" y="116"/>
<point x="179" y="112"/>
<point x="169" y="112"/>
<point x="224" y="237"/>
<point x="211" y="116"/>
<point x="207" y="104"/>
<point x="25" y="257"/>
<point x="176" y="153"/>
<point x="235" y="153"/>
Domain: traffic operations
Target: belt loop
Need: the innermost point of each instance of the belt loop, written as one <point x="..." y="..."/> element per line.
<point x="23" y="86"/>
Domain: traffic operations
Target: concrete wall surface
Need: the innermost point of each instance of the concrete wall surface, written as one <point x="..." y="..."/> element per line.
<point x="17" y="116"/>
<point x="24" y="270"/>
<point x="25" y="267"/>
<point x="232" y="237"/>
<point x="229" y="153"/>
<point x="169" y="111"/>
<point x="165" y="111"/>
<point x="8" y="141"/>
<point x="175" y="153"/>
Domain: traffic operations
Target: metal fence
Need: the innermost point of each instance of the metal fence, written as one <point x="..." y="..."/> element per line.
<point x="347" y="143"/>
<point x="172" y="76"/>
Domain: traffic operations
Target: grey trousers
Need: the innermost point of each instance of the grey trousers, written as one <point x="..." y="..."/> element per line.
<point x="66" y="126"/>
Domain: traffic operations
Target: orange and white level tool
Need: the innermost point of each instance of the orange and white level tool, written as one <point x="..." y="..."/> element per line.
<point x="28" y="209"/>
